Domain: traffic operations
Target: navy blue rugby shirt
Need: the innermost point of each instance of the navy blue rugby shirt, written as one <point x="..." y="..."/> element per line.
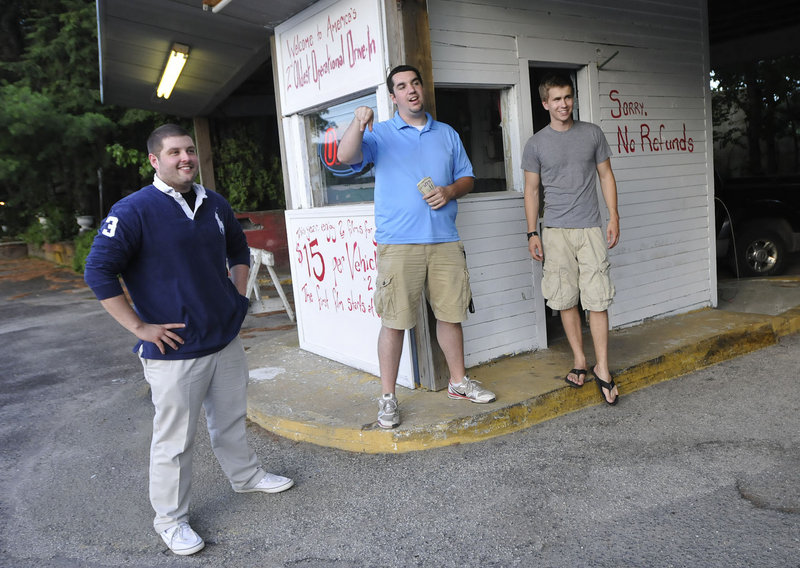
<point x="174" y="266"/>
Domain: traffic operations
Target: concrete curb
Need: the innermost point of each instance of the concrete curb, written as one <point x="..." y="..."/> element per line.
<point x="705" y="353"/>
<point x="787" y="323"/>
<point x="723" y="336"/>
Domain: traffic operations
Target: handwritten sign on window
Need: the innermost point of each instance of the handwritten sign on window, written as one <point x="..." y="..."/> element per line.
<point x="337" y="265"/>
<point x="334" y="271"/>
<point x="328" y="51"/>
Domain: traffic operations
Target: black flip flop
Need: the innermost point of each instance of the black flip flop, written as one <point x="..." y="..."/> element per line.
<point x="601" y="384"/>
<point x="578" y="372"/>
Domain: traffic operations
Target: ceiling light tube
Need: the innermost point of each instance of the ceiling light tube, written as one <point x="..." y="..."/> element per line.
<point x="220" y="6"/>
<point x="172" y="70"/>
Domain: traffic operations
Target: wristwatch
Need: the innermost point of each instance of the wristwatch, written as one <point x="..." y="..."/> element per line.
<point x="532" y="233"/>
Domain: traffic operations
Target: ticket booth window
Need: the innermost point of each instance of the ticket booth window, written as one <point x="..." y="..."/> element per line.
<point x="476" y="114"/>
<point x="337" y="183"/>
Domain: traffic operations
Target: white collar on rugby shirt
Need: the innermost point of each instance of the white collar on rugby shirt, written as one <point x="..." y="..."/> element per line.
<point x="199" y="190"/>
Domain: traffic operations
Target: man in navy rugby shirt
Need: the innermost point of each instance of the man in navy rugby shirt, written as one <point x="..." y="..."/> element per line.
<point x="172" y="243"/>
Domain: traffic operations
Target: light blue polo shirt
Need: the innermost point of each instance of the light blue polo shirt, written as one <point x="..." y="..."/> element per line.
<point x="402" y="156"/>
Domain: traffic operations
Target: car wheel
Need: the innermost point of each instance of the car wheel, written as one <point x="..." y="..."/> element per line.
<point x="760" y="252"/>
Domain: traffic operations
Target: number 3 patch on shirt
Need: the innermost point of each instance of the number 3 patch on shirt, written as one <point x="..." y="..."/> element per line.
<point x="111" y="226"/>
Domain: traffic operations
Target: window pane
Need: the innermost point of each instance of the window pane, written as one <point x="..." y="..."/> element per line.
<point x="325" y="128"/>
<point x="476" y="115"/>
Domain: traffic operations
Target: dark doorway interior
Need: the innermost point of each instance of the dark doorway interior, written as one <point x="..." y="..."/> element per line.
<point x="476" y="115"/>
<point x="541" y="118"/>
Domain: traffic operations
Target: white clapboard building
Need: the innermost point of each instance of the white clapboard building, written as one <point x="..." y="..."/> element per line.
<point x="642" y="73"/>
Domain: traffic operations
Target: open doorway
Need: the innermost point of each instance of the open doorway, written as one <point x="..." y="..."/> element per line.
<point x="541" y="118"/>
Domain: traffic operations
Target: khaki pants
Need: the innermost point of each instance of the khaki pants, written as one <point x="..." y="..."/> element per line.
<point x="218" y="384"/>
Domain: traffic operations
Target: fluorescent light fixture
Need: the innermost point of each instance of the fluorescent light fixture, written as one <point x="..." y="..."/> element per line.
<point x="172" y="70"/>
<point x="220" y="6"/>
<point x="215" y="5"/>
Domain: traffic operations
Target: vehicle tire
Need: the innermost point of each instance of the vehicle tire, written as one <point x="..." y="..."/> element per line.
<point x="759" y="251"/>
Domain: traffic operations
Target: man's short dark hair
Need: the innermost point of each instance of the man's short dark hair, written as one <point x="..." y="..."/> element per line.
<point x="156" y="138"/>
<point x="554" y="80"/>
<point x="400" y="69"/>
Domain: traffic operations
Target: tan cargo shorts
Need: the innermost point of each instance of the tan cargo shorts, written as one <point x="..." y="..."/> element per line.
<point x="576" y="268"/>
<point x="404" y="271"/>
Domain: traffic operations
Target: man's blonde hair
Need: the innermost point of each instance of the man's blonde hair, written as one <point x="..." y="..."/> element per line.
<point x="554" y="80"/>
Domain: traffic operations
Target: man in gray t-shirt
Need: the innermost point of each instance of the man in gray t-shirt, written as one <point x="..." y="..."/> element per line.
<point x="567" y="157"/>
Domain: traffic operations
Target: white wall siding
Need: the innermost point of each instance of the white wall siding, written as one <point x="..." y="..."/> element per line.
<point x="640" y="51"/>
<point x="663" y="263"/>
<point x="492" y="228"/>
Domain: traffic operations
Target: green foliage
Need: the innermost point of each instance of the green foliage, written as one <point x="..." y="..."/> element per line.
<point x="56" y="137"/>
<point x="51" y="122"/>
<point x="34" y="234"/>
<point x="726" y="101"/>
<point x="128" y="157"/>
<point x="757" y="105"/>
<point x="61" y="222"/>
<point x="53" y="129"/>
<point x="250" y="180"/>
<point x="83" y="244"/>
<point x="59" y="226"/>
<point x="46" y="152"/>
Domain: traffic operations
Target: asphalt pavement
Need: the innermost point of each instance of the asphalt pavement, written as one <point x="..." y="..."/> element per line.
<point x="698" y="471"/>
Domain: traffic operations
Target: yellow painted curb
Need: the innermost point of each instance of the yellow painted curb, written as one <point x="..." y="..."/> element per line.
<point x="787" y="323"/>
<point x="372" y="439"/>
<point x="710" y="351"/>
<point x="502" y="420"/>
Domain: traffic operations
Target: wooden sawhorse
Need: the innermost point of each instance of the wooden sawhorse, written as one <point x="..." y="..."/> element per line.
<point x="258" y="258"/>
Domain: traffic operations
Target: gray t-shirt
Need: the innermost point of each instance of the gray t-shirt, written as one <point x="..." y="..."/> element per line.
<point x="567" y="164"/>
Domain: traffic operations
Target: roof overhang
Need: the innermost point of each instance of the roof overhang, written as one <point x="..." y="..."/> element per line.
<point x="226" y="47"/>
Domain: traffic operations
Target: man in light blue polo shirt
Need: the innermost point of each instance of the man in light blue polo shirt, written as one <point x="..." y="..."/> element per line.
<point x="418" y="244"/>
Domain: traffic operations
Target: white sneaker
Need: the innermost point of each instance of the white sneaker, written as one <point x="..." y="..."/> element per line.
<point x="181" y="539"/>
<point x="470" y="390"/>
<point x="388" y="413"/>
<point x="270" y="483"/>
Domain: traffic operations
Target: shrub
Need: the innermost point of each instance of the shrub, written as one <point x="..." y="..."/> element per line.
<point x="59" y="226"/>
<point x="246" y="176"/>
<point x="34" y="234"/>
<point x="83" y="244"/>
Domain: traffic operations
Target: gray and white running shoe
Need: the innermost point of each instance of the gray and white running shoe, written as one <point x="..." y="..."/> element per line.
<point x="388" y="413"/>
<point x="470" y="390"/>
